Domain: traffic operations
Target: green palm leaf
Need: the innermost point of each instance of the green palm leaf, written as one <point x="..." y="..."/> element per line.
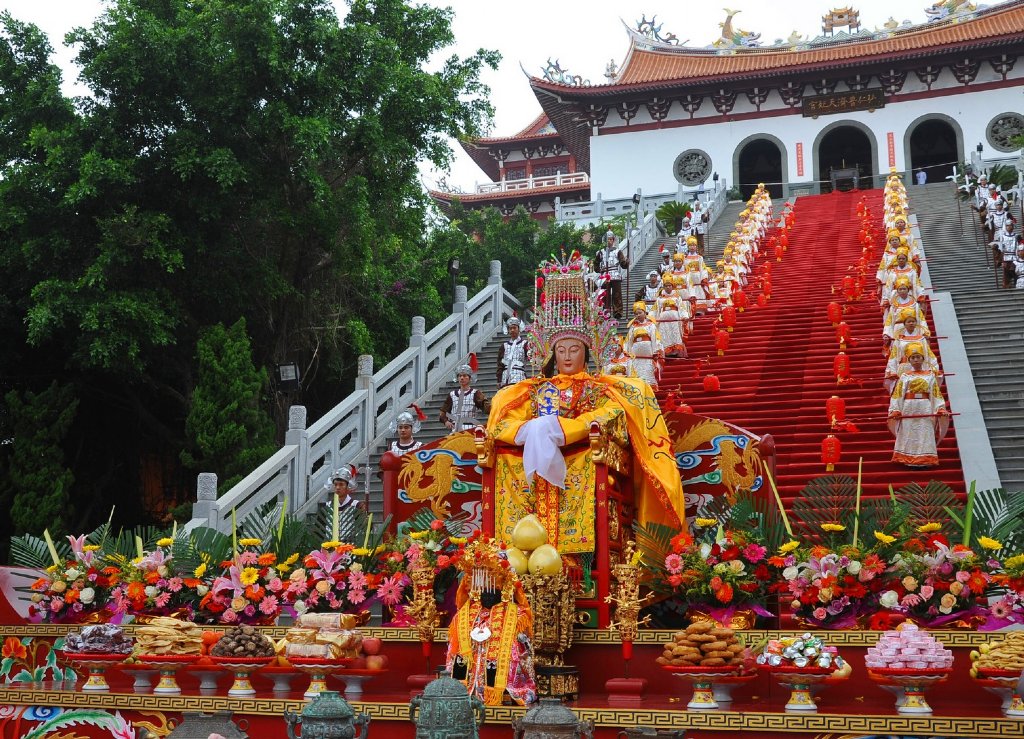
<point x="828" y="499"/>
<point x="31" y="551"/>
<point x="928" y="504"/>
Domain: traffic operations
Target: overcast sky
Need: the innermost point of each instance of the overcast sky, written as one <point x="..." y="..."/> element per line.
<point x="582" y="34"/>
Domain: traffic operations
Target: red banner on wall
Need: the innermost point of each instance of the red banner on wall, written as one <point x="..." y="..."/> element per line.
<point x="799" y="159"/>
<point x="891" y="139"/>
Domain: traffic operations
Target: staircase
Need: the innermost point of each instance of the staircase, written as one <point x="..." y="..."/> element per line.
<point x="991" y="319"/>
<point x="778" y="370"/>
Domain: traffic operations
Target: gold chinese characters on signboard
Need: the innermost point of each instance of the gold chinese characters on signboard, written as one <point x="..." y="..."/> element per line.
<point x="843" y="102"/>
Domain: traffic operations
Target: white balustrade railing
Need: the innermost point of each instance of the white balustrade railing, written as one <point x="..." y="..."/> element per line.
<point x="350" y="431"/>
<point x="599" y="209"/>
<point x="531" y="182"/>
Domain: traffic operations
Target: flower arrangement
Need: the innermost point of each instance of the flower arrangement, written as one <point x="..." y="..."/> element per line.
<point x="935" y="583"/>
<point x="74" y="587"/>
<point x="249" y="589"/>
<point x="150" y="585"/>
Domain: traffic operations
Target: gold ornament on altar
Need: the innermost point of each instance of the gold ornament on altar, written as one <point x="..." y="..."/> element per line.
<point x="423" y="608"/>
<point x="627" y="598"/>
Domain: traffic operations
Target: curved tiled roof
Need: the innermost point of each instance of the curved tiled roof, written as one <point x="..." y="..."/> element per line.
<point x="538" y="130"/>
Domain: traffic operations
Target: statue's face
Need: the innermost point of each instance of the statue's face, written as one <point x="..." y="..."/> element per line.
<point x="570" y="356"/>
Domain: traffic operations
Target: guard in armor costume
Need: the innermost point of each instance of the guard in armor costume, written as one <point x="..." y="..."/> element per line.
<point x="406" y="424"/>
<point x="464" y="407"/>
<point x="489" y="639"/>
<point x="550" y="412"/>
<point x="513" y="355"/>
<point x="612" y="262"/>
<point x="648" y="294"/>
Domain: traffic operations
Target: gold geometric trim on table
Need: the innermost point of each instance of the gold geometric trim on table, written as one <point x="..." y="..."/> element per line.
<point x="838" y="638"/>
<point x="776" y="721"/>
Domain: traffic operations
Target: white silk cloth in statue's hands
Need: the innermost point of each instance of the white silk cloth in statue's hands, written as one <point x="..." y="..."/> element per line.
<point x="542" y="439"/>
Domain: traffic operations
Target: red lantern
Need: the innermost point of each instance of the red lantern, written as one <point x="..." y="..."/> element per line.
<point x="766" y="288"/>
<point x="841" y="367"/>
<point x="835" y="313"/>
<point x="779" y="251"/>
<point x="721" y="342"/>
<point x="684" y="408"/>
<point x="843" y="334"/>
<point x="729" y="317"/>
<point x="772" y="242"/>
<point x="831" y="450"/>
<point x="784" y="240"/>
<point x="850" y="287"/>
<point x="835" y="410"/>
<point x="762" y="301"/>
<point x="711" y="384"/>
<point x="739" y="299"/>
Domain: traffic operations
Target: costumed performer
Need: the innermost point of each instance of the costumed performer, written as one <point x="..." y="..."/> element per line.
<point x="551" y="412"/>
<point x="673" y="310"/>
<point x="489" y="648"/>
<point x="512" y="355"/>
<point x="917" y="413"/>
<point x="460" y="407"/>
<point x="907" y="333"/>
<point x="406" y="424"/>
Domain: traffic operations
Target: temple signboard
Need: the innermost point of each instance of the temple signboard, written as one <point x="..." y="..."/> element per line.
<point x="843" y="102"/>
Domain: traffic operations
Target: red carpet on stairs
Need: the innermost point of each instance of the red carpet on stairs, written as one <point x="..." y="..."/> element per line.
<point x="778" y="370"/>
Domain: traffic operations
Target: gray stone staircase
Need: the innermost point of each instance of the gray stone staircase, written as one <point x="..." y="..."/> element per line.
<point x="991" y="319"/>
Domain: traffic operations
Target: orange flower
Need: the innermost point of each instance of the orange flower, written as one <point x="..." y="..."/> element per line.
<point x="71" y="595"/>
<point x="977" y="582"/>
<point x="267" y="559"/>
<point x="192" y="582"/>
<point x="13" y="648"/>
<point x="819" y="551"/>
<point x="344" y="548"/>
<point x="41" y="584"/>
<point x="724" y="593"/>
<point x="255" y="593"/>
<point x="152" y="577"/>
<point x="777" y="561"/>
<point x="136" y="591"/>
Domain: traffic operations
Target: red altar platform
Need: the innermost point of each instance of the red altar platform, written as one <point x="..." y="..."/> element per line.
<point x="857" y="707"/>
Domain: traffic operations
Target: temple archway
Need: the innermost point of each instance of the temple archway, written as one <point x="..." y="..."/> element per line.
<point x="934" y="144"/>
<point x="845" y="145"/>
<point x="760" y="158"/>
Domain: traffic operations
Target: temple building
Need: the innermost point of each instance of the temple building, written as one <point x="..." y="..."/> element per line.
<point x="802" y="115"/>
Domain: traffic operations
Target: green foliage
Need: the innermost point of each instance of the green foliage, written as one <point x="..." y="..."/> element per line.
<point x="234" y="158"/>
<point x="671" y="214"/>
<point x="35" y="484"/>
<point x="227" y="425"/>
<point x="754" y="513"/>
<point x="997" y="514"/>
<point x="828" y="499"/>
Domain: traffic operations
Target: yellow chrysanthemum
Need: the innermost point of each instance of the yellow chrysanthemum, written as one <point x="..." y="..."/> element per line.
<point x="706" y="522"/>
<point x="360" y="552"/>
<point x="291" y="560"/>
<point x="457" y="540"/>
<point x="249" y="575"/>
<point x="91" y="548"/>
<point x="417" y="534"/>
<point x="250" y="542"/>
<point x="987" y="543"/>
<point x="832" y="527"/>
<point x="332" y="544"/>
<point x="200" y="570"/>
<point x="165" y="542"/>
<point x="1015" y="561"/>
<point x="789" y="546"/>
<point x="884" y="537"/>
<point x="929" y="528"/>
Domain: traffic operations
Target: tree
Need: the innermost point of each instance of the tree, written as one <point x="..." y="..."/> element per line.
<point x="36" y="484"/>
<point x="236" y="158"/>
<point x="228" y="427"/>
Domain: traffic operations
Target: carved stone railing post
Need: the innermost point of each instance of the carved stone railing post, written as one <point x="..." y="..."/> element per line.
<point x="206" y="499"/>
<point x="498" y="299"/>
<point x="416" y="341"/>
<point x="297" y="436"/>
<point x="459" y="309"/>
<point x="364" y="381"/>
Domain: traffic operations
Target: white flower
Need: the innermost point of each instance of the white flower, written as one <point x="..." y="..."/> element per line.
<point x="73" y="574"/>
<point x="87" y="596"/>
<point x="705" y="550"/>
<point x="300" y="606"/>
<point x="854" y="567"/>
<point x="889" y="599"/>
<point x="152" y="591"/>
<point x="162" y="571"/>
<point x="736" y="566"/>
<point x="357" y="567"/>
<point x="791" y="573"/>
<point x="202" y="589"/>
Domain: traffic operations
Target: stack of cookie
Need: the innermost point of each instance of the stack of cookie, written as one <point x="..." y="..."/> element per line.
<point x="703" y="644"/>
<point x="1007" y="654"/>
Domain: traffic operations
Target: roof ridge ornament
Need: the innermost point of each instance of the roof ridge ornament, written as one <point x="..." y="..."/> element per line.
<point x="554" y="72"/>
<point x="735" y="36"/>
<point x="652" y="30"/>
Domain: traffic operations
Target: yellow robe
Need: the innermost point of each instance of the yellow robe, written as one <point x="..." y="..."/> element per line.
<point x="584" y="398"/>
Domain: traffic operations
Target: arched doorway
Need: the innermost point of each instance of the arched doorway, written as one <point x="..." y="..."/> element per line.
<point x="845" y="147"/>
<point x="934" y="147"/>
<point x="760" y="160"/>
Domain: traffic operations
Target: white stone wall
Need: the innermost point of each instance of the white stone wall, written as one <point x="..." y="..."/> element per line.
<point x="622" y="162"/>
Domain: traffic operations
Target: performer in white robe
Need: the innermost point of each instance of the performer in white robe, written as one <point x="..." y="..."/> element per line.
<point x="673" y="311"/>
<point x="643" y="345"/>
<point x="917" y="414"/>
<point x="907" y="333"/>
<point x="901" y="300"/>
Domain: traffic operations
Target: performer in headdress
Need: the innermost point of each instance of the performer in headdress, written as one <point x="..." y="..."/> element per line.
<point x="917" y="413"/>
<point x="464" y="406"/>
<point x="513" y="355"/>
<point x="553" y="411"/>
<point x="406" y="424"/>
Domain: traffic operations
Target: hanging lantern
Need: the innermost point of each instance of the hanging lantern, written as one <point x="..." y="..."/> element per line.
<point x="729" y="318"/>
<point x="835" y="313"/>
<point x="684" y="408"/>
<point x="772" y="242"/>
<point x="784" y="240"/>
<point x="779" y="251"/>
<point x="739" y="299"/>
<point x="835" y="410"/>
<point x="843" y="334"/>
<point x="766" y="288"/>
<point x="721" y="342"/>
<point x="711" y="384"/>
<point x="850" y="287"/>
<point x="841" y="367"/>
<point x="831" y="450"/>
<point x="762" y="301"/>
<point x="767" y="267"/>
